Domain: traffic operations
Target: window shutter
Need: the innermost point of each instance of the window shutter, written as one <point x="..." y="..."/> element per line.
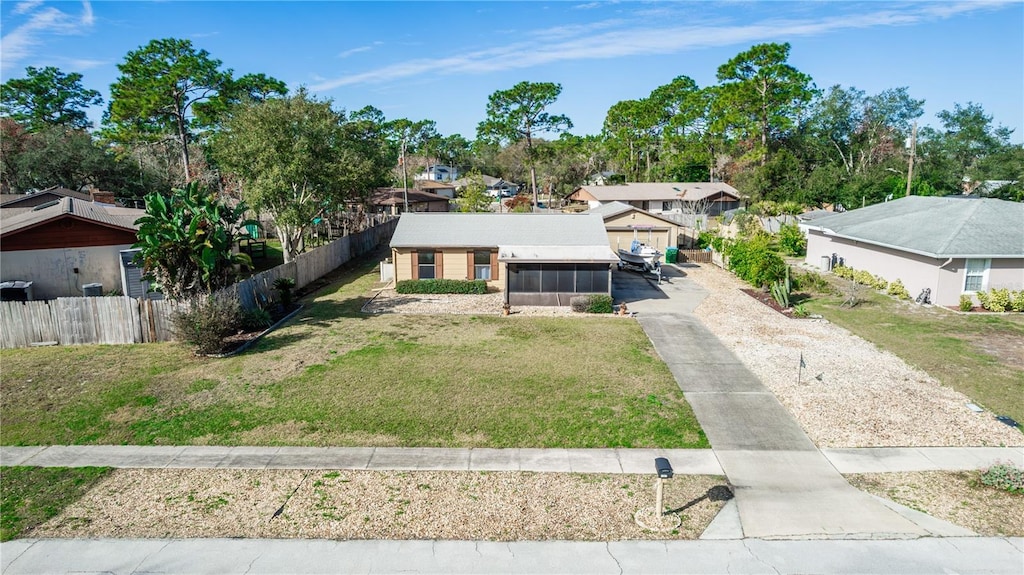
<point x="439" y="265"/>
<point x="494" y="266"/>
<point x="415" y="258"/>
<point x="470" y="265"/>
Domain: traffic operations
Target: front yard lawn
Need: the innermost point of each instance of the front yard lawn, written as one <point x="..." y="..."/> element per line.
<point x="337" y="377"/>
<point x="29" y="496"/>
<point x="977" y="354"/>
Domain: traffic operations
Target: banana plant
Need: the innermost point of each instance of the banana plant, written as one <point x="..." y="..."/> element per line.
<point x="187" y="240"/>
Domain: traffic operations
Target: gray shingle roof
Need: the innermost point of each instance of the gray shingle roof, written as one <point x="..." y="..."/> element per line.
<point x="935" y="227"/>
<point x="646" y="191"/>
<point x="445" y="230"/>
<point x="117" y="217"/>
<point x="612" y="209"/>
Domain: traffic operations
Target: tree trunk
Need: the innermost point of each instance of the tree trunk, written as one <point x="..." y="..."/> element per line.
<point x="183" y="138"/>
<point x="533" y="182"/>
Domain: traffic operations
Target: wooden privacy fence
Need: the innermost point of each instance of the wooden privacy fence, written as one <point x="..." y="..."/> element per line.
<point x="694" y="256"/>
<point x="122" y="320"/>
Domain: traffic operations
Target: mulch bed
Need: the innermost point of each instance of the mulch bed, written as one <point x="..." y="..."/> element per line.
<point x="769" y="301"/>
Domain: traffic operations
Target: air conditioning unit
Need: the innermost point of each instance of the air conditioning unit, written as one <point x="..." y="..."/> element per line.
<point x="92" y="290"/>
<point x="16" y="291"/>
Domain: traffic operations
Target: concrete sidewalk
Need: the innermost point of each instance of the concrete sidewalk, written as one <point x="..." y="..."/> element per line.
<point x="296" y="556"/>
<point x="684" y="461"/>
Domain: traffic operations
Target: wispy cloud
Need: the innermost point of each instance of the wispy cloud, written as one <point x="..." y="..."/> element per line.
<point x="617" y="38"/>
<point x="200" y="35"/>
<point x="42" y="21"/>
<point x="352" y="51"/>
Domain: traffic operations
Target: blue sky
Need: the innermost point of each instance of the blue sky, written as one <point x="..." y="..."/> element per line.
<point x="440" y="60"/>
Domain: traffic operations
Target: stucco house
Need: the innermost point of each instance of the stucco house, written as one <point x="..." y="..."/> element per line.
<point x="663" y="197"/>
<point x="624" y="222"/>
<point x="66" y="245"/>
<point x="951" y="246"/>
<point x="535" y="259"/>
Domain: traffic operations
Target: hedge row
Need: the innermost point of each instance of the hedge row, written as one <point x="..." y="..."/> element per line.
<point x="592" y="303"/>
<point x="442" y="286"/>
<point x="895" y="288"/>
<point x="1000" y="300"/>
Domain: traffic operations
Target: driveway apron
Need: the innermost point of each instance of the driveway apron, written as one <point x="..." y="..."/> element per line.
<point x="784" y="487"/>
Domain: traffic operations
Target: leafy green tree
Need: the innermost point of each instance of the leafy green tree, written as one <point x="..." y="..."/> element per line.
<point x="161" y="94"/>
<point x="691" y="141"/>
<point x="473" y="197"/>
<point x="298" y="159"/>
<point x="961" y="149"/>
<point x="632" y="130"/>
<point x="519" y="114"/>
<point x="186" y="241"/>
<point x="47" y="97"/>
<point x="409" y="137"/>
<point x="56" y="156"/>
<point x="761" y="95"/>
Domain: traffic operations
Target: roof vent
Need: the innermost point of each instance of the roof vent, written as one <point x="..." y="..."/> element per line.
<point x="46" y="205"/>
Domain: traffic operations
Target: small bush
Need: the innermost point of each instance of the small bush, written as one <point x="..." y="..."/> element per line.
<point x="256" y="319"/>
<point x="966" y="303"/>
<point x="1004" y="476"/>
<point x="1017" y="301"/>
<point x="705" y="239"/>
<point x="206" y="322"/>
<point x="754" y="261"/>
<point x="792" y="240"/>
<point x="897" y="289"/>
<point x="800" y="310"/>
<point x="438" y="286"/>
<point x="592" y="303"/>
<point x="810" y="281"/>
<point x="843" y="272"/>
<point x="284" y="287"/>
<point x="999" y="300"/>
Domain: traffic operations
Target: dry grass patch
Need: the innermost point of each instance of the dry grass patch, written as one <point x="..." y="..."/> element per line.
<point x="499" y="506"/>
<point x="955" y="496"/>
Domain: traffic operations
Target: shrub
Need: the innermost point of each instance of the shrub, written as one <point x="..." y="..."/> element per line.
<point x="1004" y="476"/>
<point x="997" y="300"/>
<point x="800" y="310"/>
<point x="897" y="289"/>
<point x="966" y="303"/>
<point x="843" y="272"/>
<point x="256" y="319"/>
<point x="879" y="283"/>
<point x="437" y="286"/>
<point x="810" y="281"/>
<point x="718" y="244"/>
<point x="591" y="303"/>
<point x="705" y="239"/>
<point x="1017" y="301"/>
<point x="754" y="262"/>
<point x="781" y="290"/>
<point x="792" y="240"/>
<point x="284" y="287"/>
<point x="206" y="321"/>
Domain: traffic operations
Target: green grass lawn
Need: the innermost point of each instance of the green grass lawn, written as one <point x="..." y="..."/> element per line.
<point x="337" y="377"/>
<point x="978" y="354"/>
<point x="29" y="496"/>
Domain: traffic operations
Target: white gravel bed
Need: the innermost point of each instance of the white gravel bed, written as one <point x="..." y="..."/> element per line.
<point x="866" y="397"/>
<point x="390" y="301"/>
<point x="322" y="504"/>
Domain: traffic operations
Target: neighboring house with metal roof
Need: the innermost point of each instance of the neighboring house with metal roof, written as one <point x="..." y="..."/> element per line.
<point x="43" y="197"/>
<point x="535" y="259"/>
<point x="663" y="197"/>
<point x="624" y="223"/>
<point x="62" y="246"/>
<point x="951" y="246"/>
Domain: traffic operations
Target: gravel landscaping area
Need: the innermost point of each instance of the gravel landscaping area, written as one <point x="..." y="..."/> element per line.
<point x="852" y="394"/>
<point x="390" y="301"/>
<point x="957" y="497"/>
<point x="320" y="504"/>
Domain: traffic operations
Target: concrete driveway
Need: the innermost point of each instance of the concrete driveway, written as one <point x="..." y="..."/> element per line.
<point x="785" y="488"/>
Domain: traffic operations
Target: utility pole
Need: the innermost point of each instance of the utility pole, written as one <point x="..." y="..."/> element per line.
<point x="405" y="178"/>
<point x="913" y="150"/>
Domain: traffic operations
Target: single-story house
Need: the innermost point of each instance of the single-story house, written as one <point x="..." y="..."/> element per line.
<point x="535" y="259"/>
<point x="952" y="246"/>
<point x="392" y="201"/>
<point x="445" y="189"/>
<point x="496" y="187"/>
<point x="663" y="197"/>
<point x="25" y="202"/>
<point x="624" y="223"/>
<point x="66" y="245"/>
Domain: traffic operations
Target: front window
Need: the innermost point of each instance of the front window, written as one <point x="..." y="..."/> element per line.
<point x="482" y="265"/>
<point x="976" y="275"/>
<point x="426" y="265"/>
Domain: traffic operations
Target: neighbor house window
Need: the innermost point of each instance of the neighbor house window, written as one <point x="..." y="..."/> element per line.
<point x="482" y="265"/>
<point x="976" y="275"/>
<point x="425" y="264"/>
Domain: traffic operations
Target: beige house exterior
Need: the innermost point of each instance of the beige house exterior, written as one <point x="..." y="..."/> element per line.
<point x="710" y="198"/>
<point x="624" y="223"/>
<point x="950" y="246"/>
<point x="534" y="259"/>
